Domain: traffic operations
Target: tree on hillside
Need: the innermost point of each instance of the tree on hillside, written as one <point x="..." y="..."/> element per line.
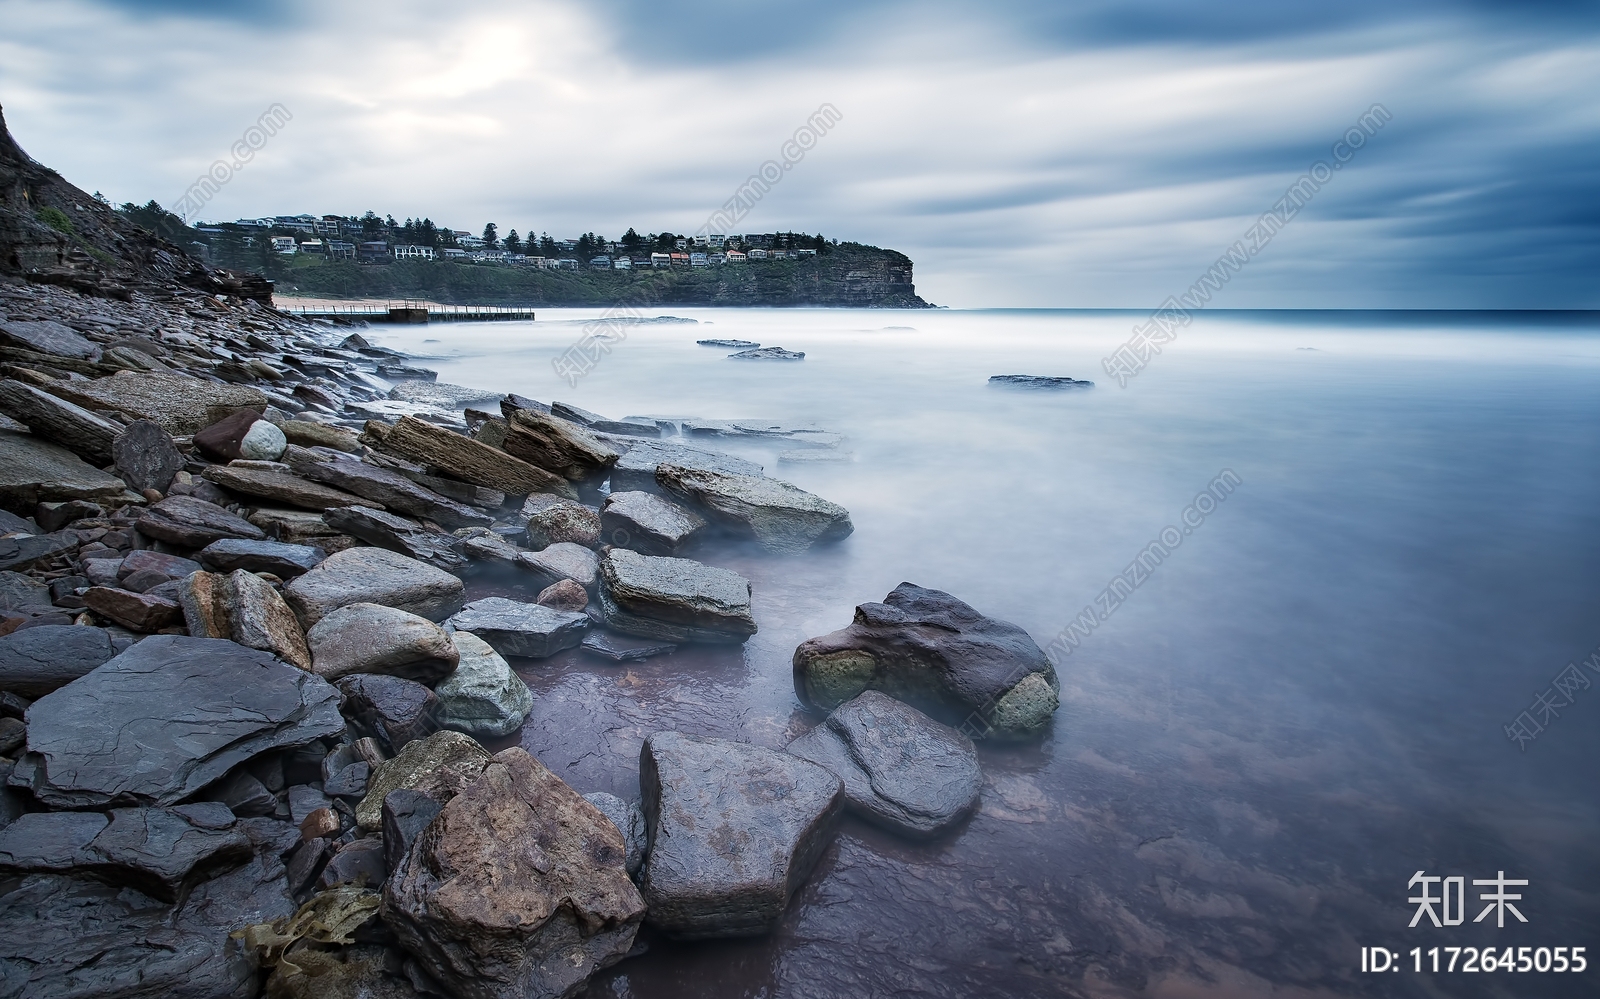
<point x="631" y="240"/>
<point x="428" y="233"/>
<point x="666" y="242"/>
<point x="513" y="242"/>
<point x="371" y="226"/>
<point x="586" y="247"/>
<point x="547" y="247"/>
<point x="491" y="237"/>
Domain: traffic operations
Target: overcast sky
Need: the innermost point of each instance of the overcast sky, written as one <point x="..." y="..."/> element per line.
<point x="1026" y="154"/>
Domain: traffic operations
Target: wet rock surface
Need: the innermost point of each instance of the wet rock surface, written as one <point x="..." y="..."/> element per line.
<point x="394" y="710"/>
<point x="517" y="888"/>
<point x="673" y="599"/>
<point x="734" y="831"/>
<point x="562" y="560"/>
<point x="930" y="650"/>
<point x="398" y="534"/>
<point x="1038" y="382"/>
<point x="648" y="523"/>
<point x="282" y="560"/>
<point x="35" y="661"/>
<point x="466" y="459"/>
<point x="783" y="517"/>
<point x="636" y="469"/>
<point x="628" y="817"/>
<point x="438" y="766"/>
<point x="371" y="638"/>
<point x="513" y="628"/>
<point x="483" y="697"/>
<point x="559" y="445"/>
<point x="376" y="576"/>
<point x="553" y="520"/>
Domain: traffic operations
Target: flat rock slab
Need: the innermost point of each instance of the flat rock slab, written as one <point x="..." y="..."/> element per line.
<point x="282" y="560"/>
<point x="159" y="722"/>
<point x="769" y="354"/>
<point x="900" y="768"/>
<point x="1038" y="382"/>
<point x="374" y="576"/>
<point x="636" y="469"/>
<point x="483" y="697"/>
<point x="35" y="661"/>
<point x="696" y="598"/>
<point x="439" y="766"/>
<point x="194" y="523"/>
<point x="85" y="434"/>
<point x="371" y="638"/>
<point x="464" y="458"/>
<point x="281" y="487"/>
<point x="34" y="471"/>
<point x="179" y="403"/>
<point x="624" y="648"/>
<point x="47" y="337"/>
<point x="518" y="888"/>
<point x="927" y="648"/>
<point x="141" y="612"/>
<point x="563" y="560"/>
<point x="783" y="517"/>
<point x="648" y="523"/>
<point x="740" y="344"/>
<point x="441" y="394"/>
<point x="734" y="831"/>
<point x="513" y="628"/>
<point x="157" y="851"/>
<point x="20" y="553"/>
<point x="389" y="490"/>
<point x="399" y="534"/>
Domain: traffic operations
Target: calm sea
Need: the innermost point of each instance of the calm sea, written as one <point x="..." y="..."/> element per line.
<point x="1302" y="706"/>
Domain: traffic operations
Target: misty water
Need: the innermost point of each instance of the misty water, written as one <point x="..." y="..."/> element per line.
<point x="1301" y="707"/>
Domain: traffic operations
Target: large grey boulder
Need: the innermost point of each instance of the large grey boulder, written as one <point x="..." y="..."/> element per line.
<point x="483" y="697"/>
<point x="901" y="769"/>
<point x="673" y="599"/>
<point x="374" y="576"/>
<point x="85" y="434"/>
<point x="648" y="523"/>
<point x="930" y="650"/>
<point x="439" y="766"/>
<point x="398" y="534"/>
<point x="734" y="831"/>
<point x="562" y="560"/>
<point x="636" y="469"/>
<point x="35" y="661"/>
<point x="34" y="471"/>
<point x="194" y="523"/>
<point x="513" y="628"/>
<point x="283" y="561"/>
<point x="164" y="719"/>
<point x="371" y="638"/>
<point x="553" y="520"/>
<point x="145" y="456"/>
<point x="46" y="336"/>
<point x="516" y="889"/>
<point x="181" y="404"/>
<point x="391" y="491"/>
<point x="782" y="517"/>
<point x="157" y="851"/>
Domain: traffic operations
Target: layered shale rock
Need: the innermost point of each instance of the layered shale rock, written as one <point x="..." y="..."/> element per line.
<point x="35" y="661"/>
<point x="556" y="444"/>
<point x="194" y="523"/>
<point x="85" y="434"/>
<point x="513" y="628"/>
<point x="673" y="599"/>
<point x="34" y="471"/>
<point x="371" y="638"/>
<point x="648" y="523"/>
<point x="374" y="576"/>
<point x="464" y="458"/>
<point x="783" y="517"/>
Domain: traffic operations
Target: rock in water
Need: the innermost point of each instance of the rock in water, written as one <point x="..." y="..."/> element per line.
<point x="628" y="817"/>
<point x="258" y="618"/>
<point x="164" y="719"/>
<point x="741" y="344"/>
<point x="648" y="523"/>
<point x="901" y="769"/>
<point x="565" y="595"/>
<point x="483" y="697"/>
<point x="1038" y="381"/>
<point x="932" y="651"/>
<point x="734" y="831"/>
<point x="636" y="469"/>
<point x="439" y="766"/>
<point x="370" y="638"/>
<point x="673" y="599"/>
<point x="554" y="443"/>
<point x="770" y="354"/>
<point x="513" y="628"/>
<point x="783" y="517"/>
<point x="35" y="661"/>
<point x="194" y="523"/>
<point x="517" y="889"/>
<point x="374" y="576"/>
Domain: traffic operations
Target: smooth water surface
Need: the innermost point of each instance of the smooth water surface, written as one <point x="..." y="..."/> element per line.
<point x="1300" y="708"/>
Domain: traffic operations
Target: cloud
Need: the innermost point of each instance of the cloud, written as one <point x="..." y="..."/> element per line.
<point x="1023" y="154"/>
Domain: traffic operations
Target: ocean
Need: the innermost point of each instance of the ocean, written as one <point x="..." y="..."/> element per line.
<point x="1347" y="667"/>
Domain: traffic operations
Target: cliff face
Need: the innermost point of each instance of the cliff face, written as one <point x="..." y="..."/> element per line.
<point x="53" y="233"/>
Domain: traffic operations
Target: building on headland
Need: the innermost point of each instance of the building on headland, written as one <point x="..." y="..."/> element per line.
<point x="805" y="253"/>
<point x="284" y="244"/>
<point x="311" y="246"/>
<point x="716" y="242"/>
<point x="735" y="257"/>
<point x="600" y="263"/>
<point x="716" y="258"/>
<point x="340" y="250"/>
<point x="756" y="253"/>
<point x="373" y="252"/>
<point x="681" y="243"/>
<point x="413" y="253"/>
<point x="467" y="241"/>
<point x="328" y="225"/>
<point x="622" y="264"/>
<point x="680" y="260"/>
<point x="566" y="264"/>
<point x="698" y="260"/>
<point x="453" y="253"/>
<point x="301" y="223"/>
<point x="660" y="260"/>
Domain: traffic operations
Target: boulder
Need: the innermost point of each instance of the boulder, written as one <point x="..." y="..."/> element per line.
<point x="155" y="565"/>
<point x="400" y="535"/>
<point x="769" y="354"/>
<point x="258" y="618"/>
<point x="371" y="638"/>
<point x="406" y="813"/>
<point x="553" y="520"/>
<point x="783" y="517"/>
<point x="673" y="599"/>
<point x="558" y="445"/>
<point x="166" y="718"/>
<point x="566" y="595"/>
<point x="374" y="576"/>
<point x="483" y="697"/>
<point x="181" y="404"/>
<point x="393" y="709"/>
<point x="34" y="471"/>
<point x="349" y="782"/>
<point x="930" y="650"/>
<point x="516" y="889"/>
<point x="734" y="830"/>
<point x="35" y="661"/>
<point x="624" y="649"/>
<point x="193" y="523"/>
<point x="513" y="628"/>
<point x="203" y="596"/>
<point x="55" y="516"/>
<point x="628" y="817"/>
<point x="263" y="442"/>
<point x="283" y="561"/>
<point x="636" y="470"/>
<point x="648" y="523"/>
<point x="390" y="490"/>
<point x="563" y="560"/>
<point x="900" y="768"/>
<point x="142" y="612"/>
<point x="465" y="458"/>
<point x="145" y="456"/>
<point x="85" y="434"/>
<point x="358" y="862"/>
<point x="487" y="546"/>
<point x="221" y="440"/>
<point x="46" y="336"/>
<point x="281" y="487"/>
<point x="309" y="433"/>
<point x="439" y="766"/>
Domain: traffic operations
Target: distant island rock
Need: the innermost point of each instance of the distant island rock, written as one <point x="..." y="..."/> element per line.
<point x="770" y="354"/>
<point x="1038" y="381"/>
<point x="741" y="344"/>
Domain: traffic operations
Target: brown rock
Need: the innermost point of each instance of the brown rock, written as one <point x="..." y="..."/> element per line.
<point x="320" y="823"/>
<point x="558" y="445"/>
<point x="260" y="619"/>
<point x="565" y="595"/>
<point x="220" y="441"/>
<point x="281" y="487"/>
<point x="465" y="458"/>
<point x="134" y="611"/>
<point x="306" y="433"/>
<point x="204" y="599"/>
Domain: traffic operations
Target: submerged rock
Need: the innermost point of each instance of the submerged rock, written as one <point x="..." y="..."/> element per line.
<point x="648" y="523"/>
<point x="164" y="719"/>
<point x="1038" y="381"/>
<point x="770" y="354"/>
<point x="783" y="517"/>
<point x="673" y="599"/>
<point x="932" y="651"/>
<point x="516" y="889"/>
<point x="734" y="830"/>
<point x="518" y="629"/>
<point x="483" y="697"/>
<point x="624" y="649"/>
<point x="900" y="768"/>
<point x="374" y="576"/>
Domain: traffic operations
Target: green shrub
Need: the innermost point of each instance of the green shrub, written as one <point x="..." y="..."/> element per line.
<point x="57" y="219"/>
